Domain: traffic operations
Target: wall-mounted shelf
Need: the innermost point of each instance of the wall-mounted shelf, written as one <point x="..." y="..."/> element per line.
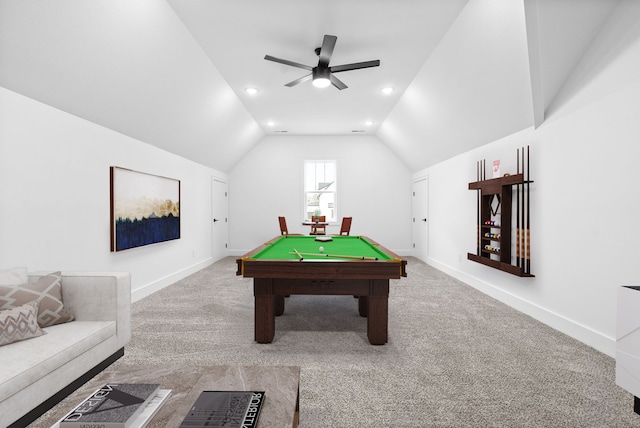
<point x="496" y="228"/>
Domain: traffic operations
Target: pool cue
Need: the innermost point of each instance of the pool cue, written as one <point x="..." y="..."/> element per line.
<point x="523" y="214"/>
<point x="478" y="215"/>
<point x="518" y="210"/>
<point x="337" y="256"/>
<point x="483" y="176"/>
<point x="528" y="270"/>
<point x="299" y="255"/>
<point x="523" y="235"/>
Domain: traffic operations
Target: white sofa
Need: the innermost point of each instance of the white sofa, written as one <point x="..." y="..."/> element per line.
<point x="37" y="373"/>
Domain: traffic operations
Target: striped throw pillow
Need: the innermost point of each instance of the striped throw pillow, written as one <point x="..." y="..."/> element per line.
<point x="19" y="323"/>
<point x="47" y="290"/>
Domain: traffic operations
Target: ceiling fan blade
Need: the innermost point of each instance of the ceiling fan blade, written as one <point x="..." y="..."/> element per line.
<point x="287" y="62"/>
<point x="354" y="66"/>
<point x="328" y="43"/>
<point x="337" y="82"/>
<point x="300" y="80"/>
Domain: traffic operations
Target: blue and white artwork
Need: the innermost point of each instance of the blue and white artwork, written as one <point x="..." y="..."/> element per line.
<point x="145" y="209"/>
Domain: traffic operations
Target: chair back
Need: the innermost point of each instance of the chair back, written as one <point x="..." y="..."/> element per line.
<point x="345" y="228"/>
<point x="319" y="229"/>
<point x="283" y="226"/>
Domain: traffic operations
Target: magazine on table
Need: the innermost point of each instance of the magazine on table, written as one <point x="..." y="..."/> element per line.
<point x="228" y="409"/>
<point x="117" y="405"/>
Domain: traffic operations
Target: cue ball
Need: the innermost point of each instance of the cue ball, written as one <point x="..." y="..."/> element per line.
<point x="321" y="249"/>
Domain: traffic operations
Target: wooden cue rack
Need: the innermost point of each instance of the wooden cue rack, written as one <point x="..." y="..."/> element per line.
<point x="502" y="202"/>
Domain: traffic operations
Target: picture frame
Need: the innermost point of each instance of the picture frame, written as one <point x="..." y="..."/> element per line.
<point x="145" y="209"/>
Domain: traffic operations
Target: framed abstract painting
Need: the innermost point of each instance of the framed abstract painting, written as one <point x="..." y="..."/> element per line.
<point x="145" y="209"/>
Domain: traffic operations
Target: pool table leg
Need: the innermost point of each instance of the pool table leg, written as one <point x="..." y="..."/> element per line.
<point x="378" y="311"/>
<point x="264" y="311"/>
<point x="363" y="306"/>
<point x="279" y="305"/>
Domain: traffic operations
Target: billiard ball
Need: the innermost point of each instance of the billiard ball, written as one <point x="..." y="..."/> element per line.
<point x="321" y="249"/>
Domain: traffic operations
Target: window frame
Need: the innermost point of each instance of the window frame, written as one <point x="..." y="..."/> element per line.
<point x="305" y="192"/>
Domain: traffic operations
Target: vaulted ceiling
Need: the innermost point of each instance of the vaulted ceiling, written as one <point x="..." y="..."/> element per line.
<point x="173" y="73"/>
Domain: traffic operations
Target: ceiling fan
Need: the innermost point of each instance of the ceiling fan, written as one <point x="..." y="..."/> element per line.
<point x="322" y="74"/>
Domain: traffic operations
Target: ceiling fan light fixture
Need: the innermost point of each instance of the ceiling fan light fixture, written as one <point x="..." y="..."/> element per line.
<point x="322" y="74"/>
<point x="321" y="82"/>
<point x="321" y="77"/>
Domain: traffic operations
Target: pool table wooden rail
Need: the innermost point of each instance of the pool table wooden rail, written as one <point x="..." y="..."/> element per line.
<point x="394" y="268"/>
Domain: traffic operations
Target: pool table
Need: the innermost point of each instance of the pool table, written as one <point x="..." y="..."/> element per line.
<point x="345" y="265"/>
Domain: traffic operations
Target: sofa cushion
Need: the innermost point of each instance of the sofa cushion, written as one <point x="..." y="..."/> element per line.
<point x="47" y="289"/>
<point x="13" y="276"/>
<point x="19" y="323"/>
<point x="23" y="363"/>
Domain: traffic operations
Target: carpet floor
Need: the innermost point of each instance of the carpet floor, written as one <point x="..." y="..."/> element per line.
<point x="455" y="357"/>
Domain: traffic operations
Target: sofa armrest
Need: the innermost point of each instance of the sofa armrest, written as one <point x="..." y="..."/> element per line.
<point x="99" y="296"/>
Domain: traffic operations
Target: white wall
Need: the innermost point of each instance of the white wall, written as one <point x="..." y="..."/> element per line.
<point x="585" y="200"/>
<point x="54" y="199"/>
<point x="373" y="187"/>
<point x="472" y="89"/>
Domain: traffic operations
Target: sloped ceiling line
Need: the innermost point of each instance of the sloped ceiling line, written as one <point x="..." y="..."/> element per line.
<point x="533" y="46"/>
<point x="172" y="73"/>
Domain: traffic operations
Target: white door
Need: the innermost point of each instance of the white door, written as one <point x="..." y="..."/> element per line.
<point x="420" y="232"/>
<point x="219" y="210"/>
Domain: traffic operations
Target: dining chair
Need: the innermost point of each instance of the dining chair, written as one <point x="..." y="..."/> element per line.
<point x="345" y="228"/>
<point x="283" y="227"/>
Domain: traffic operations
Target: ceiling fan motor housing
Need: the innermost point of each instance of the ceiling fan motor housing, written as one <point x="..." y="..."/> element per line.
<point x="320" y="73"/>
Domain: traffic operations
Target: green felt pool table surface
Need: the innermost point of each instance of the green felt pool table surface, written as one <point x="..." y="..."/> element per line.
<point x="284" y="248"/>
<point x="363" y="258"/>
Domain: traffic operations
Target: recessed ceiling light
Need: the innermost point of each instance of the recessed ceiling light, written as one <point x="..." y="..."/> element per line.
<point x="251" y="91"/>
<point x="387" y="90"/>
<point x="270" y="123"/>
<point x="368" y="122"/>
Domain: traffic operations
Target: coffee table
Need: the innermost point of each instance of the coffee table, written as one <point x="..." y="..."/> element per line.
<point x="280" y="383"/>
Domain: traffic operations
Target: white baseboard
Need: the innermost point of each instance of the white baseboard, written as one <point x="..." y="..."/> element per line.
<point x="238" y="253"/>
<point x="580" y="332"/>
<point x="150" y="288"/>
<point x="403" y="253"/>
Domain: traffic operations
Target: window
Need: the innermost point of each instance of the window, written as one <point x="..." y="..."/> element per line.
<point x="320" y="191"/>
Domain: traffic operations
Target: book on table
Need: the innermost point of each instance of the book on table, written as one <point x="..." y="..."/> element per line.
<point x="229" y="409"/>
<point x="152" y="407"/>
<point x="114" y="405"/>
